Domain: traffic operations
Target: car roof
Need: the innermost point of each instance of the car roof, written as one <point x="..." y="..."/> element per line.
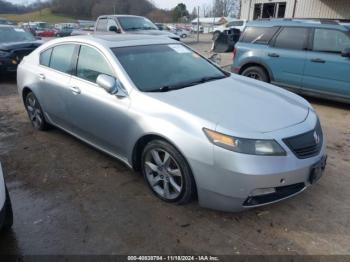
<point x="117" y="16"/>
<point x="122" y="40"/>
<point x="319" y="23"/>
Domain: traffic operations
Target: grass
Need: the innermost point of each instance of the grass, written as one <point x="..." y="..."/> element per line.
<point x="45" y="15"/>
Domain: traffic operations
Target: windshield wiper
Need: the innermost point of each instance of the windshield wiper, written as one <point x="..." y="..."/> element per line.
<point x="187" y="84"/>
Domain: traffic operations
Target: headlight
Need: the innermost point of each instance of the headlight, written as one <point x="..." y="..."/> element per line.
<point x="244" y="145"/>
<point x="3" y="54"/>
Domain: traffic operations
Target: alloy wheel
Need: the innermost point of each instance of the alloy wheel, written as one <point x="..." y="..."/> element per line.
<point x="34" y="111"/>
<point x="163" y="174"/>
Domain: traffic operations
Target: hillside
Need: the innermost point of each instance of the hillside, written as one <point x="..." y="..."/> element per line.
<point x="46" y="15"/>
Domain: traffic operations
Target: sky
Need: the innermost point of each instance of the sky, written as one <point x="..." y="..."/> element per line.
<point x="165" y="4"/>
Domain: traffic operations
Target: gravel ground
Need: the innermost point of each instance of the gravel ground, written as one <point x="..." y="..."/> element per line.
<point x="69" y="198"/>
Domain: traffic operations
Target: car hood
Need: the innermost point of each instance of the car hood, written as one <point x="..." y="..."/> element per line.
<point x="154" y="32"/>
<point x="239" y="104"/>
<point x="19" y="45"/>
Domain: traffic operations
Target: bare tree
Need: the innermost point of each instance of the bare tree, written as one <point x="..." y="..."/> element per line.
<point x="226" y="7"/>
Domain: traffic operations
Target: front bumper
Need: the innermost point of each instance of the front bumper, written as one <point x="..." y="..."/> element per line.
<point x="228" y="182"/>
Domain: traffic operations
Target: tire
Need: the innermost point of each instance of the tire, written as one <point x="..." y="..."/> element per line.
<point x="8" y="222"/>
<point x="257" y="73"/>
<point x="35" y="112"/>
<point x="183" y="36"/>
<point x="169" y="177"/>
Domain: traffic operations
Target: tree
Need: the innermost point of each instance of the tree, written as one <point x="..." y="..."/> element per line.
<point x="226" y="7"/>
<point x="194" y="13"/>
<point x="180" y="13"/>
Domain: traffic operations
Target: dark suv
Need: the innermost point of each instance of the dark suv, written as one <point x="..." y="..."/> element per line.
<point x="306" y="56"/>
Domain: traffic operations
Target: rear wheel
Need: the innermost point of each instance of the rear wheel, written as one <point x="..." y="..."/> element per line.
<point x="8" y="212"/>
<point x="167" y="173"/>
<point x="35" y="113"/>
<point x="183" y="36"/>
<point x="257" y="73"/>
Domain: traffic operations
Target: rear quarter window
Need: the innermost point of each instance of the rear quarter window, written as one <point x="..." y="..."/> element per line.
<point x="258" y="35"/>
<point x="45" y="57"/>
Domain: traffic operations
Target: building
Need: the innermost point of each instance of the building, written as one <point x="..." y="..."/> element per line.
<point x="257" y="9"/>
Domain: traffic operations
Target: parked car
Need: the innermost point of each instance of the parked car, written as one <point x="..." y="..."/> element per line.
<point x="181" y="32"/>
<point x="194" y="29"/>
<point x="4" y="21"/>
<point x="190" y="127"/>
<point x="15" y="43"/>
<point x="65" y="31"/>
<point x="129" y="24"/>
<point x="45" y="32"/>
<point x="162" y="27"/>
<point x="306" y="56"/>
<point x="6" y="215"/>
<point x="82" y="31"/>
<point x="236" y="24"/>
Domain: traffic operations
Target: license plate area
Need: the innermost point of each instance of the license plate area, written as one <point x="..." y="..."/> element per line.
<point x="317" y="170"/>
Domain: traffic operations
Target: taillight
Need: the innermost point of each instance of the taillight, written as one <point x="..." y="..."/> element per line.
<point x="234" y="53"/>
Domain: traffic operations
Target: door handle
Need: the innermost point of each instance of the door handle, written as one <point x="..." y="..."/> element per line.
<point x="75" y="90"/>
<point x="42" y="77"/>
<point x="273" y="55"/>
<point x="318" y="60"/>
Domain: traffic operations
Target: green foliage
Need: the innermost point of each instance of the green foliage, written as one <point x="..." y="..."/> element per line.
<point x="180" y="13"/>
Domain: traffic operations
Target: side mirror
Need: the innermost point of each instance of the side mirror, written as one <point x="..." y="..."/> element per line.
<point x="346" y="52"/>
<point x="113" y="28"/>
<point x="108" y="83"/>
<point x="111" y="85"/>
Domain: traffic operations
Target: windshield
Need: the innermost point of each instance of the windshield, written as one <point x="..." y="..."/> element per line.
<point x="136" y="23"/>
<point x="12" y="34"/>
<point x="160" y="68"/>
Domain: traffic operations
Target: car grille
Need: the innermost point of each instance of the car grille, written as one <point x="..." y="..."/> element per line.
<point x="308" y="144"/>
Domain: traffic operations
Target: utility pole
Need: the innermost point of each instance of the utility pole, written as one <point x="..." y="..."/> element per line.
<point x="198" y="24"/>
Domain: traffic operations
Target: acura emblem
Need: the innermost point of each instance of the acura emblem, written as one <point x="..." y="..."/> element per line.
<point x="317" y="138"/>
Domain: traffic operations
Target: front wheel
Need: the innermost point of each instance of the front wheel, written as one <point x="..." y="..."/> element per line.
<point x="167" y="173"/>
<point x="256" y="73"/>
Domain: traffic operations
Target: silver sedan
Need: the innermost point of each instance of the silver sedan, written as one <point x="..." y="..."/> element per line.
<point x="192" y="129"/>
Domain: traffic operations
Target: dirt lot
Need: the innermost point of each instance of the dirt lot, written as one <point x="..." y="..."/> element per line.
<point x="71" y="199"/>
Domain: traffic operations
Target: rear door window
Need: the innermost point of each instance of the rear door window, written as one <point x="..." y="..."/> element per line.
<point x="61" y="58"/>
<point x="328" y="40"/>
<point x="258" y="35"/>
<point x="292" y="38"/>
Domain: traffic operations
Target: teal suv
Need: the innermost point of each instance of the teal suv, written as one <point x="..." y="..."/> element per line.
<point x="310" y="57"/>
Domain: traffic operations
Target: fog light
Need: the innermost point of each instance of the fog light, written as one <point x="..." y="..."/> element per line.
<point x="263" y="191"/>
